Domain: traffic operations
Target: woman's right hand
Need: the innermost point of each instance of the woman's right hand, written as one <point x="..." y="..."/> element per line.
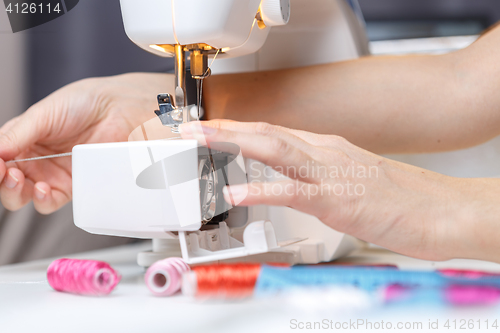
<point x="87" y="111"/>
<point x="403" y="208"/>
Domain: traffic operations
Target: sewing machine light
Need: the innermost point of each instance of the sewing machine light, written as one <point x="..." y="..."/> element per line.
<point x="158" y="48"/>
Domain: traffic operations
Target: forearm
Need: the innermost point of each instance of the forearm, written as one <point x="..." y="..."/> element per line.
<point x="383" y="104"/>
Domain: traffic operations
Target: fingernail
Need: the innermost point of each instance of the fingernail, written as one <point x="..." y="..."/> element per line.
<point x="39" y="193"/>
<point x="11" y="181"/>
<point x="197" y="128"/>
<point x="208" y="130"/>
<point x="185" y="129"/>
<point x="235" y="192"/>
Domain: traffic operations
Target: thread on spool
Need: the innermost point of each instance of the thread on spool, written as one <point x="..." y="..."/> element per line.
<point x="242" y="280"/>
<point x="222" y="280"/>
<point x="164" y="277"/>
<point x="83" y="277"/>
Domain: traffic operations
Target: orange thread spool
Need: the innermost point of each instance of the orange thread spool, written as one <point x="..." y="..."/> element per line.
<point x="226" y="280"/>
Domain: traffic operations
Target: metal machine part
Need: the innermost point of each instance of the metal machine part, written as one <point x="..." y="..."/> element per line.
<point x="172" y="113"/>
<point x="211" y="163"/>
<point x="212" y="173"/>
<point x="169" y="115"/>
<point x="208" y="184"/>
<point x="199" y="64"/>
<point x="180" y="72"/>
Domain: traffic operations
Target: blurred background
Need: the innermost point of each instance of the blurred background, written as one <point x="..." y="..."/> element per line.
<point x="393" y="19"/>
<point x="90" y="41"/>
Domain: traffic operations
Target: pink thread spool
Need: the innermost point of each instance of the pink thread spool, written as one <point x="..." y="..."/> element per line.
<point x="164" y="277"/>
<point x="83" y="277"/>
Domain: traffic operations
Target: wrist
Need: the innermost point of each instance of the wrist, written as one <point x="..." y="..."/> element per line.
<point x="477" y="231"/>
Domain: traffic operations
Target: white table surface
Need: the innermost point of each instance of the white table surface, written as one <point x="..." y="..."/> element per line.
<point x="28" y="304"/>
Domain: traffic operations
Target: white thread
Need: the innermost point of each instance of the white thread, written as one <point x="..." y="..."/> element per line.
<point x="40" y="158"/>
<point x="211" y="63"/>
<point x="59" y="155"/>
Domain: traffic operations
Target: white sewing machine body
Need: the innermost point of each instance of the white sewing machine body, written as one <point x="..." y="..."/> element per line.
<point x="150" y="189"/>
<point x="112" y="194"/>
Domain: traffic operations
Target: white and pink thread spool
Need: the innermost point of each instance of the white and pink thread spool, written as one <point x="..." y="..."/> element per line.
<point x="164" y="277"/>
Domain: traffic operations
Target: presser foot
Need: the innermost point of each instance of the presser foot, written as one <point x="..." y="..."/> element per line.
<point x="169" y="115"/>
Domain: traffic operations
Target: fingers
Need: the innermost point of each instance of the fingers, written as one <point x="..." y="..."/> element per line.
<point x="276" y="152"/>
<point x="3" y="170"/>
<point x="52" y="183"/>
<point x="18" y="134"/>
<point x="8" y="125"/>
<point x="307" y="198"/>
<point x="15" y="190"/>
<point x="261" y="128"/>
<point x="47" y="200"/>
<point x="264" y="129"/>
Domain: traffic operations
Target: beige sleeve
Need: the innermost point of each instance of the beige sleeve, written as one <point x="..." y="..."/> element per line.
<point x="27" y="235"/>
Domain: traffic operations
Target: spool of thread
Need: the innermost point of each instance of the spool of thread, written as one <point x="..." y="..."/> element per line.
<point x="222" y="280"/>
<point x="241" y="280"/>
<point x="83" y="277"/>
<point x="453" y="295"/>
<point x="164" y="277"/>
<point x="273" y="279"/>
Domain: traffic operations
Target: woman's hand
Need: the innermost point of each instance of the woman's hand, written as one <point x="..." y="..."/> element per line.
<point x="403" y="208"/>
<point x="88" y="111"/>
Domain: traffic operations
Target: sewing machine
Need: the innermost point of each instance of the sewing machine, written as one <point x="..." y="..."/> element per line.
<point x="170" y="190"/>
